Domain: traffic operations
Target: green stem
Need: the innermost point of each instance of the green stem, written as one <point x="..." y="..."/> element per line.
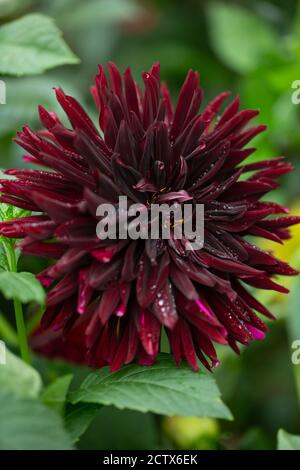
<point x="21" y="328"/>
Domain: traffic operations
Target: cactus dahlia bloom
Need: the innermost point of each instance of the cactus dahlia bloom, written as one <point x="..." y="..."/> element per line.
<point x="108" y="300"/>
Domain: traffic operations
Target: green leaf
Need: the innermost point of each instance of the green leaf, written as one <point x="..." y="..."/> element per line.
<point x="78" y="419"/>
<point x="27" y="424"/>
<point x="31" y="45"/>
<point x="288" y="441"/>
<point x="18" y="378"/>
<point x="162" y="388"/>
<point x="240" y="38"/>
<point x="22" y="286"/>
<point x="55" y="394"/>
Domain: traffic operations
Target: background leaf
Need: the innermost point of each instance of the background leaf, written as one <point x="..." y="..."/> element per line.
<point x="162" y="388"/>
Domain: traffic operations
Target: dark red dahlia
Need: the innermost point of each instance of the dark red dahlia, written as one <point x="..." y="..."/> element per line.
<point x="108" y="300"/>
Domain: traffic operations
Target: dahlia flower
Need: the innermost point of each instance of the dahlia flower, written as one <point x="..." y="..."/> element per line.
<point x="108" y="300"/>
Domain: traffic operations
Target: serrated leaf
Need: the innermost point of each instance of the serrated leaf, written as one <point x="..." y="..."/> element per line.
<point x="287" y="441"/>
<point x="55" y="394"/>
<point x="22" y="286"/>
<point x="79" y="417"/>
<point x="27" y="424"/>
<point x="162" y="388"/>
<point x="239" y="37"/>
<point x="31" y="45"/>
<point x="18" y="378"/>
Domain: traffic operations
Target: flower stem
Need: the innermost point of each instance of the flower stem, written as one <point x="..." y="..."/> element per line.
<point x="21" y="328"/>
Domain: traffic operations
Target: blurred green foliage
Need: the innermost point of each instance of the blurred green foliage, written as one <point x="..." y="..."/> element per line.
<point x="251" y="48"/>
